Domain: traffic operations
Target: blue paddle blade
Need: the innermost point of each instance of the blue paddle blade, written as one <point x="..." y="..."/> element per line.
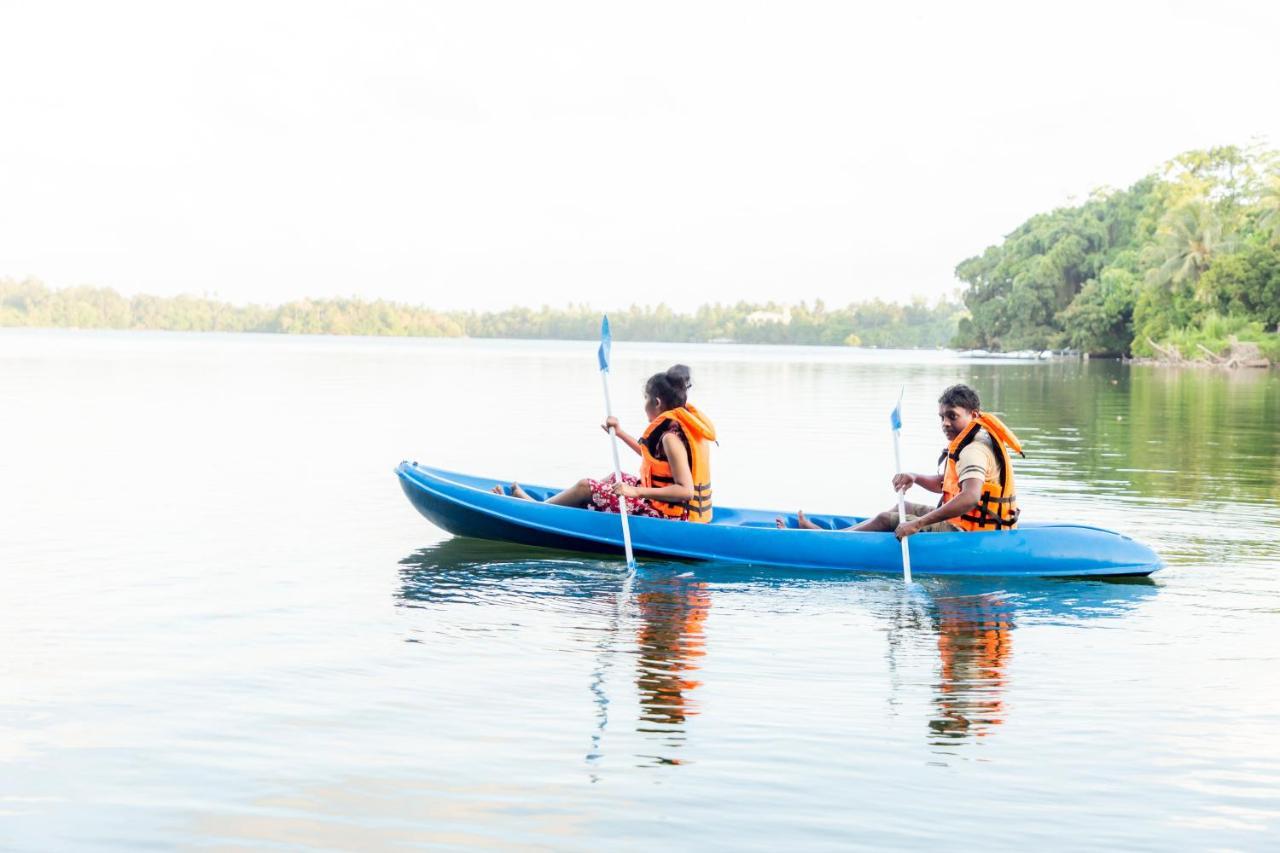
<point x="606" y="343"/>
<point x="895" y="417"/>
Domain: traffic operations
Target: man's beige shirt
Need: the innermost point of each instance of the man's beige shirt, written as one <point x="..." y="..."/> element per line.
<point x="978" y="461"/>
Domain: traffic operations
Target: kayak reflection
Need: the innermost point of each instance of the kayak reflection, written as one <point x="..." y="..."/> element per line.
<point x="955" y="635"/>
<point x="476" y="571"/>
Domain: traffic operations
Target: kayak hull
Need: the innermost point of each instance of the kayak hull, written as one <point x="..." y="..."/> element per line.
<point x="465" y="506"/>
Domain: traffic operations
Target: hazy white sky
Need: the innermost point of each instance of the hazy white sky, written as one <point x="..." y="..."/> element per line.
<point x="478" y="154"/>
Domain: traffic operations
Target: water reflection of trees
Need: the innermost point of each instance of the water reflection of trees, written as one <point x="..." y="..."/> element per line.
<point x="1180" y="435"/>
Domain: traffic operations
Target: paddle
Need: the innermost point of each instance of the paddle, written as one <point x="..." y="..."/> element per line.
<point x="606" y="343"/>
<point x="895" y="420"/>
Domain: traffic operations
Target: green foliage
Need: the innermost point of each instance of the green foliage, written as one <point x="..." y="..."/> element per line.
<point x="1153" y="262"/>
<point x="1215" y="333"/>
<point x="875" y="323"/>
<point x="1228" y="177"/>
<point x="1188" y="239"/>
<point x="1019" y="290"/>
<point x="29" y="303"/>
<point x="1269" y="209"/>
<point x="1247" y="283"/>
<point x="1100" y="319"/>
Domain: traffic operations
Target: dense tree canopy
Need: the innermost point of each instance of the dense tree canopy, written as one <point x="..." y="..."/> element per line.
<point x="875" y="323"/>
<point x="1196" y="244"/>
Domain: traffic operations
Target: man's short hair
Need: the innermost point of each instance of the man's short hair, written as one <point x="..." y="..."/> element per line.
<point x="962" y="396"/>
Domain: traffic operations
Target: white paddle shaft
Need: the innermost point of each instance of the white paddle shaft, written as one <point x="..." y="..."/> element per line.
<point x="617" y="473"/>
<point x="902" y="511"/>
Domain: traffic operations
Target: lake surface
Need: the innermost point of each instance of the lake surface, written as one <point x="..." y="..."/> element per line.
<point x="222" y="625"/>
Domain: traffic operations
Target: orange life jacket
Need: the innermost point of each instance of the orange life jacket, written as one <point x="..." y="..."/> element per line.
<point x="697" y="432"/>
<point x="997" y="508"/>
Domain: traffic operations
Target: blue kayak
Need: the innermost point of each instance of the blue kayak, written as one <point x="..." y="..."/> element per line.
<point x="465" y="506"/>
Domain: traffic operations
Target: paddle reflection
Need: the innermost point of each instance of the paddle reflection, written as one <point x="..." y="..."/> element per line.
<point x="663" y="608"/>
<point x="671" y="640"/>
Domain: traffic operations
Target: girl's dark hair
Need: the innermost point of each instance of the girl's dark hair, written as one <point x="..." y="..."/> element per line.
<point x="672" y="387"/>
<point x="962" y="396"/>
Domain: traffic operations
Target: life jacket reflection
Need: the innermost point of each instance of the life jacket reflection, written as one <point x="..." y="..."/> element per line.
<point x="997" y="507"/>
<point x="671" y="642"/>
<point x="697" y="432"/>
<point x="975" y="642"/>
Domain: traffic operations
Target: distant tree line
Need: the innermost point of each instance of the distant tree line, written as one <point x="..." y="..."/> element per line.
<point x="1185" y="258"/>
<point x="874" y="323"/>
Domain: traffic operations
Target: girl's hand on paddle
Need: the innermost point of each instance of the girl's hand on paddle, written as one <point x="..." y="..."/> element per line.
<point x="624" y="490"/>
<point x="907" y="529"/>
<point x="622" y="434"/>
<point x="902" y="482"/>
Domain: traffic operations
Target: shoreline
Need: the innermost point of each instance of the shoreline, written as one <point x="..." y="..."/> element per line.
<point x="1250" y="360"/>
<point x="1238" y="354"/>
<point x="1196" y="363"/>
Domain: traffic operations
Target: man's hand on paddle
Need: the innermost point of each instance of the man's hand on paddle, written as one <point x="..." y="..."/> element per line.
<point x="907" y="528"/>
<point x="902" y="482"/>
<point x="610" y="422"/>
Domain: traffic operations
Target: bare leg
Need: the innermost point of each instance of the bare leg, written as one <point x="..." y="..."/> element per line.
<point x="579" y="494"/>
<point x="881" y="523"/>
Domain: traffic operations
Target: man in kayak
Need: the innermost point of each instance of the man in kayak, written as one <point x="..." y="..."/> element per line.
<point x="975" y="477"/>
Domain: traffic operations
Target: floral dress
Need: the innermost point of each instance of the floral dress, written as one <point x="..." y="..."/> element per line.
<point x="604" y="500"/>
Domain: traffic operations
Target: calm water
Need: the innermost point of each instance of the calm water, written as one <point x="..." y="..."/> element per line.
<point x="222" y="625"/>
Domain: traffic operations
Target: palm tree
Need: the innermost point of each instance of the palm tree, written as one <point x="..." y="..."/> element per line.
<point x="1269" y="202"/>
<point x="1189" y="236"/>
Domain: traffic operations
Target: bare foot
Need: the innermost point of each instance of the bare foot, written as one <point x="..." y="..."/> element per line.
<point x="515" y="492"/>
<point x="803" y="522"/>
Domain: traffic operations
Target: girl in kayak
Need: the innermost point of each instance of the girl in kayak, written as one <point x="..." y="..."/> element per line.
<point x="975" y="477"/>
<point x="675" y="459"/>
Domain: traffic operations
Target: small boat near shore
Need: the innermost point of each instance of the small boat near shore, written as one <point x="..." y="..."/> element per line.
<point x="465" y="506"/>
